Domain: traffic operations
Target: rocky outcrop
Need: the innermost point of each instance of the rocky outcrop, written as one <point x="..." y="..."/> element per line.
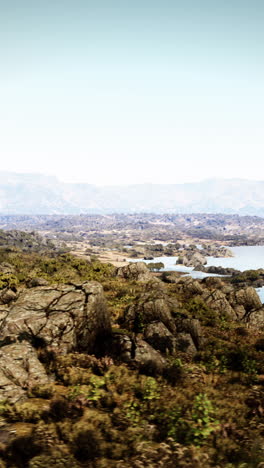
<point x="170" y="276"/>
<point x="214" y="250"/>
<point x="137" y="271"/>
<point x="189" y="286"/>
<point x="217" y="270"/>
<point x="245" y="302"/>
<point x="217" y="301"/>
<point x="155" y="328"/>
<point x="223" y="298"/>
<point x="191" y="259"/>
<point x="63" y="317"/>
<point x="192" y="256"/>
<point x="34" y="282"/>
<point x="154" y="316"/>
<point x="20" y="370"/>
<point x="159" y="337"/>
<point x="151" y="307"/>
<point x="60" y="319"/>
<point x="148" y="359"/>
<point x="191" y="327"/>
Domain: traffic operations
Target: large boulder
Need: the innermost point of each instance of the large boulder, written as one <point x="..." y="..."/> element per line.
<point x="256" y="319"/>
<point x="191" y="259"/>
<point x="65" y="318"/>
<point x="20" y="369"/>
<point x="218" y="302"/>
<point x="191" y="327"/>
<point x="157" y="318"/>
<point x="246" y="304"/>
<point x="137" y="352"/>
<point x="151" y="307"/>
<point x="189" y="286"/>
<point x="148" y="359"/>
<point x="60" y="319"/>
<point x="249" y="298"/>
<point x="159" y="337"/>
<point x="185" y="344"/>
<point x="135" y="271"/>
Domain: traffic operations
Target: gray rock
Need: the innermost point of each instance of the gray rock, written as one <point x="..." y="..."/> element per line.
<point x="155" y="315"/>
<point x="62" y="319"/>
<point x="158" y="336"/>
<point x="94" y="325"/>
<point x="191" y="259"/>
<point x="192" y="327"/>
<point x="20" y="369"/>
<point x="256" y="319"/>
<point x="136" y="351"/>
<point x="135" y="271"/>
<point x="218" y="302"/>
<point x="148" y="359"/>
<point x="122" y="347"/>
<point x="34" y="282"/>
<point x="190" y="286"/>
<point x="249" y="298"/>
<point x="152" y="307"/>
<point x="7" y="296"/>
<point x="185" y="344"/>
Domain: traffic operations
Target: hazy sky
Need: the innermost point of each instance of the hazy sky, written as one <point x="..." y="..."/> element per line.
<point x="132" y="91"/>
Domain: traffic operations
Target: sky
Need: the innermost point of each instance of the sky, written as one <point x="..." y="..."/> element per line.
<point x="119" y="92"/>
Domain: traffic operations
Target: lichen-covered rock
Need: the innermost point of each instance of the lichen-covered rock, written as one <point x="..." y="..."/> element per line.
<point x="34" y="282"/>
<point x="94" y="325"/>
<point x="244" y="302"/>
<point x="249" y="298"/>
<point x="136" y="351"/>
<point x="189" y="286"/>
<point x="157" y="317"/>
<point x="256" y="319"/>
<point x="61" y="319"/>
<point x="20" y="369"/>
<point x="135" y="271"/>
<point x="218" y="302"/>
<point x="122" y="347"/>
<point x="151" y="307"/>
<point x="171" y="276"/>
<point x="191" y="259"/>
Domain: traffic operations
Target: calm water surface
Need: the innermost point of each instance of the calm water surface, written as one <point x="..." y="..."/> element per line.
<point x="245" y="258"/>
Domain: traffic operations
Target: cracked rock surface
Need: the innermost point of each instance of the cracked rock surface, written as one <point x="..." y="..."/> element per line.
<point x="63" y="318"/>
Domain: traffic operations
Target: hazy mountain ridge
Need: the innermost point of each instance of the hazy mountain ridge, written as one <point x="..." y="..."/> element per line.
<point x="39" y="194"/>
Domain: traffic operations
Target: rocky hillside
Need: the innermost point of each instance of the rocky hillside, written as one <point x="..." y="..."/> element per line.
<point x="26" y="241"/>
<point x="106" y="367"/>
<point x="37" y="194"/>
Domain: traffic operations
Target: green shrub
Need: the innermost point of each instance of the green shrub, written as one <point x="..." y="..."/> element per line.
<point x="8" y="280"/>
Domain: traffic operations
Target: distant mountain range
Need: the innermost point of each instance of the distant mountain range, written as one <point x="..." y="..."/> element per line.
<point x="39" y="194"/>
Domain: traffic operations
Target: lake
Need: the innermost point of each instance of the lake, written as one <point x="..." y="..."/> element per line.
<point x="246" y="257"/>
